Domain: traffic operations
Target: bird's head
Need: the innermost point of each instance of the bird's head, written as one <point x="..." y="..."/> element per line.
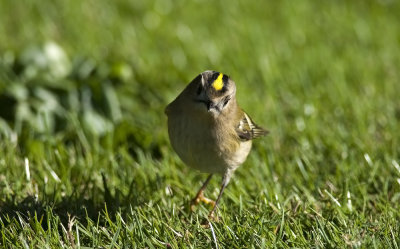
<point x="213" y="91"/>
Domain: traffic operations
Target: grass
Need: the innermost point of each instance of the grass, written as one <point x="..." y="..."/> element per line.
<point x="84" y="157"/>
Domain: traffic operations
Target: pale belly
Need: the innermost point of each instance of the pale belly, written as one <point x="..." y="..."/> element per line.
<point x="202" y="149"/>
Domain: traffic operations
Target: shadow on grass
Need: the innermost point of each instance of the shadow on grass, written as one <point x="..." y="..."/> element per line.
<point x="79" y="205"/>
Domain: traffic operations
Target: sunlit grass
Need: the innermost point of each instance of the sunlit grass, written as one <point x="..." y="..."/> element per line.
<point x="84" y="155"/>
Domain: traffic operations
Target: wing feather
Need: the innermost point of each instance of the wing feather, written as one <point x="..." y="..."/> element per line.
<point x="248" y="130"/>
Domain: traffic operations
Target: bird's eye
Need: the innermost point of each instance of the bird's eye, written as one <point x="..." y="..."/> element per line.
<point x="226" y="101"/>
<point x="199" y="90"/>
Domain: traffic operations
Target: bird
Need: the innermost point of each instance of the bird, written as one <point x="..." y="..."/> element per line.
<point x="209" y="131"/>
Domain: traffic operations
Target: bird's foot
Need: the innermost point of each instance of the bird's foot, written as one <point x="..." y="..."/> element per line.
<point x="213" y="217"/>
<point x="201" y="198"/>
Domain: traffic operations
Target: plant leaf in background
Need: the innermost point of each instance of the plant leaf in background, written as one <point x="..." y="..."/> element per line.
<point x="44" y="89"/>
<point x="47" y="61"/>
<point x="84" y="156"/>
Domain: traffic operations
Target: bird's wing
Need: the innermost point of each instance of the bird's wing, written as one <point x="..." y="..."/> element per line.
<point x="247" y="129"/>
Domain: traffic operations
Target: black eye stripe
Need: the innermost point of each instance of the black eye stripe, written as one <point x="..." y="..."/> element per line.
<point x="225" y="79"/>
<point x="213" y="77"/>
<point x="226" y="100"/>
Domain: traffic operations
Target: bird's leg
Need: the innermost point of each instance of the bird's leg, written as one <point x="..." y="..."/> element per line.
<point x="225" y="181"/>
<point x="200" y="195"/>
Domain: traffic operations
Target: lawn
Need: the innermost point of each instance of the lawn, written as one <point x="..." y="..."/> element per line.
<point x="85" y="160"/>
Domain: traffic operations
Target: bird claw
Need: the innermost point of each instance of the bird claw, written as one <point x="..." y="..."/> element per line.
<point x="201" y="198"/>
<point x="213" y="217"/>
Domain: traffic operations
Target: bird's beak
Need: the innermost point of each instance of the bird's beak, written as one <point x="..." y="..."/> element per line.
<point x="211" y="105"/>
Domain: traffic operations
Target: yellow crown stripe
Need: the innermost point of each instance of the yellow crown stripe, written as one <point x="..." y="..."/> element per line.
<point x="218" y="83"/>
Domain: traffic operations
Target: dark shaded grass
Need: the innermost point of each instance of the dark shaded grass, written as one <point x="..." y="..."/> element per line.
<point x="322" y="77"/>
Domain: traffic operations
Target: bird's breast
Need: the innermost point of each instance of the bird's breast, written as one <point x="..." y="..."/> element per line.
<point x="203" y="145"/>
